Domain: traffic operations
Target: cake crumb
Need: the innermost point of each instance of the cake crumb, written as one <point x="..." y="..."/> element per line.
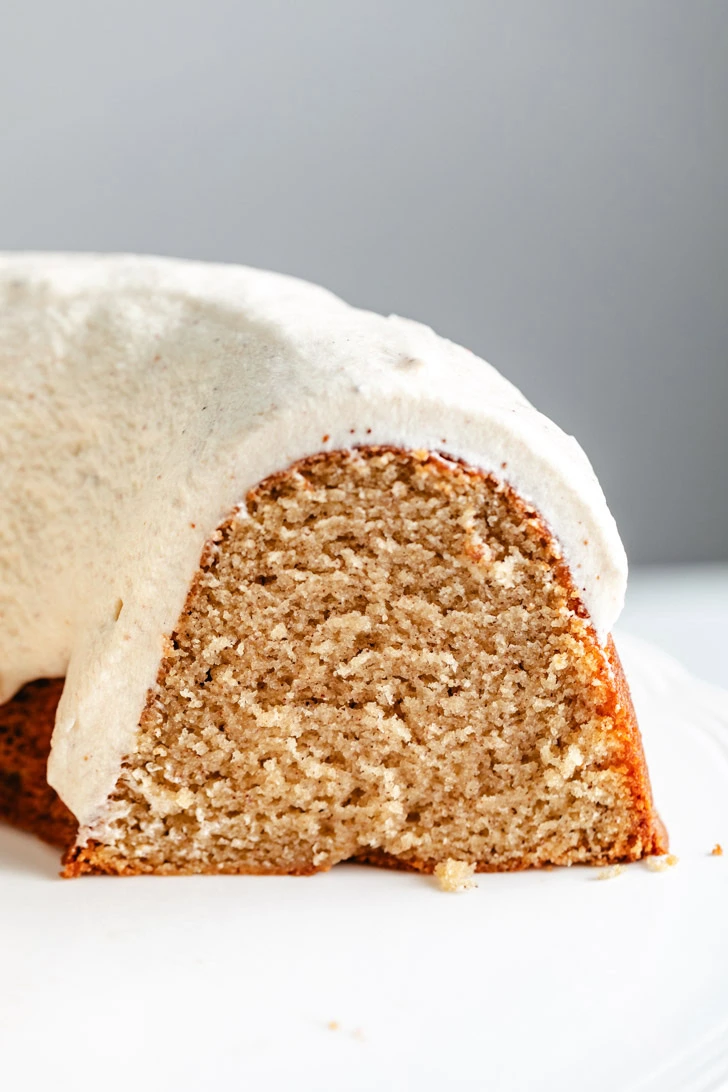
<point x="455" y="875"/>
<point x="717" y="850"/>
<point x="661" y="863"/>
<point x="610" y="872"/>
<point x="251" y="710"/>
<point x="333" y="1025"/>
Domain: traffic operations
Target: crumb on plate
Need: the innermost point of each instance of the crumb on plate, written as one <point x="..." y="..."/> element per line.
<point x="455" y="875"/>
<point x="717" y="850"/>
<point x="610" y="872"/>
<point x="661" y="863"/>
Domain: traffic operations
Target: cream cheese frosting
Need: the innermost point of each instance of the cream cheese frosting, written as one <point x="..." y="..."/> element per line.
<point x="141" y="398"/>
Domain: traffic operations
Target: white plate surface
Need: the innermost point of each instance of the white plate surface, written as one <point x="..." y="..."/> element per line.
<point x="361" y="979"/>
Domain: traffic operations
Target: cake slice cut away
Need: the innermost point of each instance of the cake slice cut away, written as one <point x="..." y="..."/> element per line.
<point x="384" y="661"/>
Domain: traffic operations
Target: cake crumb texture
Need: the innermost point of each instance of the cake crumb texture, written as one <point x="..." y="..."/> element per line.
<point x="382" y="659"/>
<point x="455" y="875"/>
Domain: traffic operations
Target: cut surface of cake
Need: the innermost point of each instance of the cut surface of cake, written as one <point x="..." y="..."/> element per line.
<point x="322" y="587"/>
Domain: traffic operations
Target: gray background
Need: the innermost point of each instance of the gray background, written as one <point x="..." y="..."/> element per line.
<point x="545" y="182"/>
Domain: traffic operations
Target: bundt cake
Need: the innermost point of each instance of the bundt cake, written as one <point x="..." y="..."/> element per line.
<point x="284" y="583"/>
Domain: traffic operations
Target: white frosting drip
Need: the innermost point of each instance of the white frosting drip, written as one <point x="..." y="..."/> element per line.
<point x="140" y="398"/>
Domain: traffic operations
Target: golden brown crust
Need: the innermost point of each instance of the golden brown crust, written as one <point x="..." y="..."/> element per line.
<point x="87" y="860"/>
<point x="26" y="799"/>
<point x="650" y="831"/>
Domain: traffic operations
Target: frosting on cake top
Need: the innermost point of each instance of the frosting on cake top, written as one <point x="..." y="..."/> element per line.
<point x="140" y="399"/>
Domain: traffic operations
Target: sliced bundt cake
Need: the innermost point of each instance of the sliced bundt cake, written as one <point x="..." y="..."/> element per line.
<point x="322" y="585"/>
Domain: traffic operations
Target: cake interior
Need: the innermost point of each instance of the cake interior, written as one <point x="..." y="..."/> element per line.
<point x="382" y="658"/>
